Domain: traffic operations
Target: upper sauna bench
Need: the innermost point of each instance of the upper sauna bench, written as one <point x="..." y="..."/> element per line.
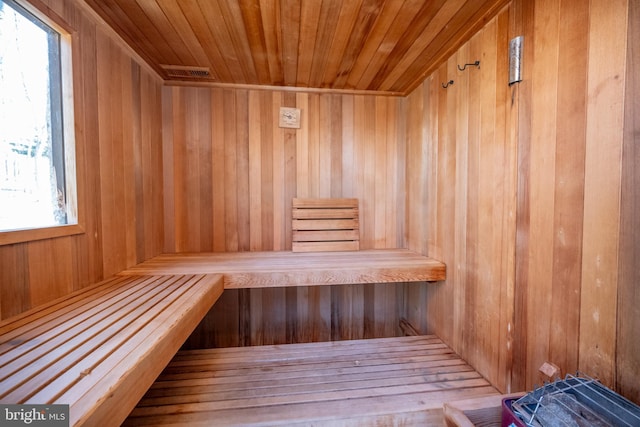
<point x="284" y="268"/>
<point x="325" y="251"/>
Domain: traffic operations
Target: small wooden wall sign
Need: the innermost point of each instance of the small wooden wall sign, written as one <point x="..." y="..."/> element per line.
<point x="289" y="117"/>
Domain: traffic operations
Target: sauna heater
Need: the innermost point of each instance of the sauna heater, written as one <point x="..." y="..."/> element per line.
<point x="576" y="400"/>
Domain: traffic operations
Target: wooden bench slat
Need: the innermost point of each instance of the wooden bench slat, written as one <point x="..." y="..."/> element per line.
<point x="103" y="361"/>
<point x="325" y="225"/>
<point x="148" y="353"/>
<point x="50" y="331"/>
<point x="330" y="224"/>
<point x="326" y="246"/>
<point x="337" y="236"/>
<point x="305" y="202"/>
<point x="305" y="215"/>
<point x="78" y="351"/>
<point x="49" y="313"/>
<point x="281" y="269"/>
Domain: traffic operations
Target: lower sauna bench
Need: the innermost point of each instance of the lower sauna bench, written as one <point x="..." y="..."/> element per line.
<point x="385" y="381"/>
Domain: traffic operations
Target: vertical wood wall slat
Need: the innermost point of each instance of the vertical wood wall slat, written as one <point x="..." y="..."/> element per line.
<point x="628" y="322"/>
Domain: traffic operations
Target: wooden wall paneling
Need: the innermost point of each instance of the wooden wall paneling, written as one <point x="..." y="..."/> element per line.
<point x="500" y="190"/>
<point x="177" y="156"/>
<point x="395" y="175"/>
<point x="274" y="316"/>
<point x="458" y="111"/>
<point x="522" y="23"/>
<point x="124" y="150"/>
<point x="154" y="172"/>
<point x="505" y="229"/>
<point x="254" y="170"/>
<point x="487" y="340"/>
<point x="628" y="322"/>
<point x="370" y="173"/>
<point x="302" y="148"/>
<point x="379" y="144"/>
<point x="348" y="145"/>
<point x="336" y="144"/>
<point x="218" y="172"/>
<point x="542" y="181"/>
<point x="14" y="277"/>
<point x="88" y="247"/>
<point x="605" y="119"/>
<point x="455" y="138"/>
<point x="388" y="302"/>
<point x="513" y="126"/>
<point x="346" y="312"/>
<point x="204" y="167"/>
<point x="314" y="143"/>
<point x="278" y="167"/>
<point x="50" y="274"/>
<point x="417" y="149"/>
<point x="137" y="161"/>
<point x="257" y="319"/>
<point x="267" y="168"/>
<point x="443" y="304"/>
<point x="569" y="189"/>
<point x="473" y="246"/>
<point x="290" y="168"/>
<point x="219" y="327"/>
<point x="228" y="116"/>
<point x="242" y="175"/>
<point x="193" y="156"/>
<point x="109" y="84"/>
<point x="315" y="139"/>
<point x="168" y="167"/>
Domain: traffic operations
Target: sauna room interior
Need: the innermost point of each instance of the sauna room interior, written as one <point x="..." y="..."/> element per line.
<point x="519" y="174"/>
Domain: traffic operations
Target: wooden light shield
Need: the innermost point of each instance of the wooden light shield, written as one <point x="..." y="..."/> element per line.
<point x="324" y="225"/>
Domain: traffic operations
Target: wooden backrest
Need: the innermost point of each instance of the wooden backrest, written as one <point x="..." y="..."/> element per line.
<point x="323" y="225"/>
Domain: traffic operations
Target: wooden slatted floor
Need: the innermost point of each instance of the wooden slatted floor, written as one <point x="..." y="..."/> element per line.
<point x="387" y="381"/>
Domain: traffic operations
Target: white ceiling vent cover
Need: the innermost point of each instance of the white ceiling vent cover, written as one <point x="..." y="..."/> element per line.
<point x="179" y="71"/>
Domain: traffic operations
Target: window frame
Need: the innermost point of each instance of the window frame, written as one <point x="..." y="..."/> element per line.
<point x="67" y="79"/>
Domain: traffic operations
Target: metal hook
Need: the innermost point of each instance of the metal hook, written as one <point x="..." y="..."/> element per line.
<point x="449" y="83"/>
<point x="476" y="64"/>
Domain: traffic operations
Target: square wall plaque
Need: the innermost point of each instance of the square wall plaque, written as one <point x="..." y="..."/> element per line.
<point x="289" y="117"/>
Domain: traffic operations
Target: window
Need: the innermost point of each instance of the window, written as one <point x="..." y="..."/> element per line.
<point x="36" y="133"/>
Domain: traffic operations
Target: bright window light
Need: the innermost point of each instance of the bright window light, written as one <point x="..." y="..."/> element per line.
<point x="33" y="188"/>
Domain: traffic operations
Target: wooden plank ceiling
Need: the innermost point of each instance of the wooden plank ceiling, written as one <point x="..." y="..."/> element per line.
<point x="361" y="45"/>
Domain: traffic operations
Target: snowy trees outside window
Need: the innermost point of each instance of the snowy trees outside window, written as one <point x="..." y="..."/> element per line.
<point x="32" y="159"/>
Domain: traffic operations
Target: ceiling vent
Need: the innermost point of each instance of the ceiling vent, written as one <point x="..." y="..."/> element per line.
<point x="181" y="72"/>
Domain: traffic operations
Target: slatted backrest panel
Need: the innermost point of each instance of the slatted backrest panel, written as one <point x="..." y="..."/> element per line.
<point x="325" y="225"/>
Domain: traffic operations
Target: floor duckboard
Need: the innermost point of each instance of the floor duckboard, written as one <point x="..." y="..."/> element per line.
<point x="386" y="381"/>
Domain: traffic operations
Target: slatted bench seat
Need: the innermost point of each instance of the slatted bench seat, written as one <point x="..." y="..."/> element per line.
<point x="99" y="349"/>
<point x="284" y="268"/>
<point x="387" y="381"/>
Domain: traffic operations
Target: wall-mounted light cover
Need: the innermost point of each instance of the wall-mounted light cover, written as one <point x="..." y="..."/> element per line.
<point x="515" y="60"/>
